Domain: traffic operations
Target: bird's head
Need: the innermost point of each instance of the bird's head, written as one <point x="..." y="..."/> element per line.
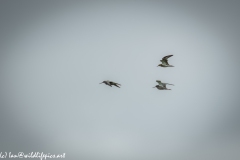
<point x="155" y="86"/>
<point x="160" y="65"/>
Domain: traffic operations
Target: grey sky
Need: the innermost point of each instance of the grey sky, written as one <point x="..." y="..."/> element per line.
<point x="54" y="54"/>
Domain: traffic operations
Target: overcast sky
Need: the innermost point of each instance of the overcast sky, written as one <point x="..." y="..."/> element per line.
<point x="54" y="54"/>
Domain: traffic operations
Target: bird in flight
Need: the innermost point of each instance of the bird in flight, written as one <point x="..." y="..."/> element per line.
<point x="161" y="87"/>
<point x="165" y="62"/>
<point x="162" y="84"/>
<point x="110" y="83"/>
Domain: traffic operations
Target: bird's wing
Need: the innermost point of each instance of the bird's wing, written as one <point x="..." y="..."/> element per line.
<point x="159" y="82"/>
<point x="113" y="83"/>
<point x="165" y="59"/>
<point x="108" y="82"/>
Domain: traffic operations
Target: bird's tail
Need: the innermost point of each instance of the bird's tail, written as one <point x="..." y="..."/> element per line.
<point x="116" y="85"/>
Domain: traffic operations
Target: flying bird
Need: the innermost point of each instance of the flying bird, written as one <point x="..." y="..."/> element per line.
<point x="165" y="62"/>
<point x="110" y="83"/>
<point x="161" y="87"/>
<point x="162" y="84"/>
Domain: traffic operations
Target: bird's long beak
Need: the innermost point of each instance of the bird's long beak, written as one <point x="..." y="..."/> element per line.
<point x="154" y="87"/>
<point x="101" y="83"/>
